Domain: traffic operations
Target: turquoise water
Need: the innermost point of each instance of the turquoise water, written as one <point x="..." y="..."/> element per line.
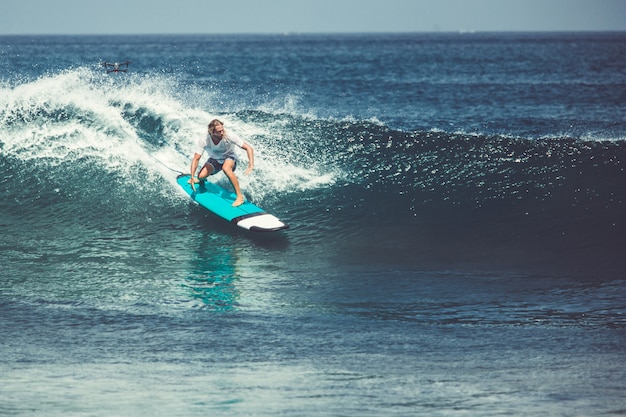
<point x="456" y="234"/>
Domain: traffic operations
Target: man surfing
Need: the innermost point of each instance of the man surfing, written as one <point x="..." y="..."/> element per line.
<point x="220" y="145"/>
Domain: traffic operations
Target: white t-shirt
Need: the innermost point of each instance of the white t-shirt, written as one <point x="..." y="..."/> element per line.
<point x="225" y="149"/>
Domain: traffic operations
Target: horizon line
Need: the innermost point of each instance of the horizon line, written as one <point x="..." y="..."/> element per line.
<point x="458" y="32"/>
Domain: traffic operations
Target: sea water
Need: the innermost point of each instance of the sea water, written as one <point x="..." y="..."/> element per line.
<point x="457" y="213"/>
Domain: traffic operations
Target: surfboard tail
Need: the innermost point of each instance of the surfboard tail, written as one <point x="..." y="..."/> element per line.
<point x="260" y="222"/>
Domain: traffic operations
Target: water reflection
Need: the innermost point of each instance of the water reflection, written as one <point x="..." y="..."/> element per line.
<point x="212" y="277"/>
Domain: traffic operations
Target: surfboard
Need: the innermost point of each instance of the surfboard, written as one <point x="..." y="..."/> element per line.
<point x="219" y="201"/>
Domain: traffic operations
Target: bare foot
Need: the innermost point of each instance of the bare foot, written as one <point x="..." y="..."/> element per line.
<point x="239" y="201"/>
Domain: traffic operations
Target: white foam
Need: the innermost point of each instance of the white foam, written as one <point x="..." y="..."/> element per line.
<point x="80" y="113"/>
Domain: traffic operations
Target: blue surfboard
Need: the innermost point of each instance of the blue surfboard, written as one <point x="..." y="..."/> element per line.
<point x="219" y="201"/>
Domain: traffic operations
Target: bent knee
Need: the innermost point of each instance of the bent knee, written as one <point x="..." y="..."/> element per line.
<point x="229" y="166"/>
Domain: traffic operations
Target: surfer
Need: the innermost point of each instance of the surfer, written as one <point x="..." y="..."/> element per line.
<point x="220" y="145"/>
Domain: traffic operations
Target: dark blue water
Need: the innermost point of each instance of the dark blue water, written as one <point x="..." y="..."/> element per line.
<point x="457" y="239"/>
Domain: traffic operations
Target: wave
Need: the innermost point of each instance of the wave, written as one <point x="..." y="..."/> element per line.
<point x="461" y="199"/>
<point x="388" y="195"/>
<point x="122" y="122"/>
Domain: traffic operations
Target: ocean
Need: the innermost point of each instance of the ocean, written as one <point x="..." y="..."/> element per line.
<point x="457" y="212"/>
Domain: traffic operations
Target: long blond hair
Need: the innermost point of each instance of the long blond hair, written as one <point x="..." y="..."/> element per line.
<point x="214" y="122"/>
